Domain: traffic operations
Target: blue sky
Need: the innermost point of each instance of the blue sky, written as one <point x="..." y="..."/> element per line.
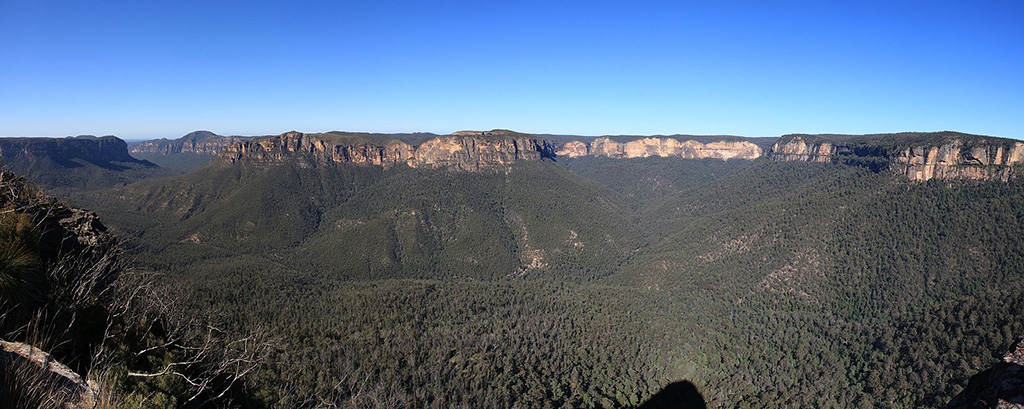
<point x="143" y="69"/>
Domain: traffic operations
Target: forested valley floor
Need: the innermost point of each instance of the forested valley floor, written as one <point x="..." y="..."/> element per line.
<point x="589" y="282"/>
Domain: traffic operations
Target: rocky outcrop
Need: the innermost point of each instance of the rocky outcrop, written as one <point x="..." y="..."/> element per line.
<point x="471" y="150"/>
<point x="67" y="386"/>
<point x="919" y="157"/>
<point x="198" y="142"/>
<point x="319" y="148"/>
<point x="462" y="152"/>
<point x="64" y="165"/>
<point x="471" y="153"/>
<point x="71" y="261"/>
<point x="63" y="229"/>
<point x="103" y="151"/>
<point x="664" y="147"/>
<point x="573" y="149"/>
<point x="1001" y="386"/>
<point x="956" y="160"/>
<point x="797" y="148"/>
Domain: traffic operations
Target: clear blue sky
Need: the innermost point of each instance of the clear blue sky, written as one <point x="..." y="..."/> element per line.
<point x="141" y="69"/>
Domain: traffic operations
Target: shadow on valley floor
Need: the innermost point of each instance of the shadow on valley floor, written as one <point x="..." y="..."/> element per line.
<point x="677" y="395"/>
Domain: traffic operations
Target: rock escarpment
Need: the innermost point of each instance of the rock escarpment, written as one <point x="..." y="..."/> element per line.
<point x="75" y="164"/>
<point x="1001" y="386"/>
<point x="919" y="157"/>
<point x="103" y="151"/>
<point x="198" y="142"/>
<point x="665" y="147"/>
<point x="472" y="150"/>
<point x="65" y="261"/>
<point x="804" y="149"/>
<point x="957" y="160"/>
<point x="62" y="229"/>
<point x="462" y="152"/>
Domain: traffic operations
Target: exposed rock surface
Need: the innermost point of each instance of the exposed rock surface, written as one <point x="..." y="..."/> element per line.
<point x="463" y="152"/>
<point x="106" y="151"/>
<point x="73" y="391"/>
<point x="798" y="148"/>
<point x="573" y="149"/>
<point x="664" y="147"/>
<point x="198" y="142"/>
<point x="956" y="160"/>
<point x="1001" y="386"/>
<point x="67" y="236"/>
<point x="919" y="157"/>
<point x="472" y="150"/>
<point x="62" y="228"/>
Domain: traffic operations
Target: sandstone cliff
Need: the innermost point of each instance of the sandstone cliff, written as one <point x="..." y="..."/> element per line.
<point x="803" y="148"/>
<point x="960" y="161"/>
<point x="664" y="147"/>
<point x="1001" y="386"/>
<point x="61" y="165"/>
<point x="471" y="150"/>
<point x="919" y="157"/>
<point x="462" y="152"/>
<point x="198" y="142"/>
<point x="103" y="151"/>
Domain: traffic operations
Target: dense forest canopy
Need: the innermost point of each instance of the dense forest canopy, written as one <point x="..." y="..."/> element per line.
<point x="585" y="282"/>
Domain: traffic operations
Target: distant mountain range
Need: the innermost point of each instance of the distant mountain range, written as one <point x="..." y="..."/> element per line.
<point x="918" y="156"/>
<point x="97" y="162"/>
<point x="75" y="163"/>
<point x="198" y="142"/>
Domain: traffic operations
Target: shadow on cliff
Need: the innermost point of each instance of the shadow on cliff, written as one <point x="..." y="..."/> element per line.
<point x="677" y="395"/>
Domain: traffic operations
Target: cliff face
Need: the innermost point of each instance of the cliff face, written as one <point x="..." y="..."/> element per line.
<point x="474" y="152"/>
<point x="945" y="157"/>
<point x="661" y="147"/>
<point x="198" y="142"/>
<point x="1001" y="386"/>
<point x="796" y="148"/>
<point x="471" y="150"/>
<point x="955" y="160"/>
<point x="102" y="150"/>
<point x="462" y="152"/>
<point x="74" y="164"/>
<point x="918" y="157"/>
<point x="61" y="227"/>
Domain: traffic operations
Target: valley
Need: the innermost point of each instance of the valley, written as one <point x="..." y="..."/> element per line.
<point x="502" y="269"/>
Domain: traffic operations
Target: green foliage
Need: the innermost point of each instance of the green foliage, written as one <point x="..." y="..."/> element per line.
<point x="646" y="182"/>
<point x="64" y="289"/>
<point x="77" y="175"/>
<point x="19" y="265"/>
<point x="536" y="220"/>
<point x="595" y="282"/>
<point x="178" y="162"/>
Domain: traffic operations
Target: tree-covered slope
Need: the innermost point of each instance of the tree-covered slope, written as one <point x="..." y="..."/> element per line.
<point x="892" y="288"/>
<point x="766" y="284"/>
<point x="645" y="182"/>
<point x="65" y="165"/>
<point x="531" y="219"/>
